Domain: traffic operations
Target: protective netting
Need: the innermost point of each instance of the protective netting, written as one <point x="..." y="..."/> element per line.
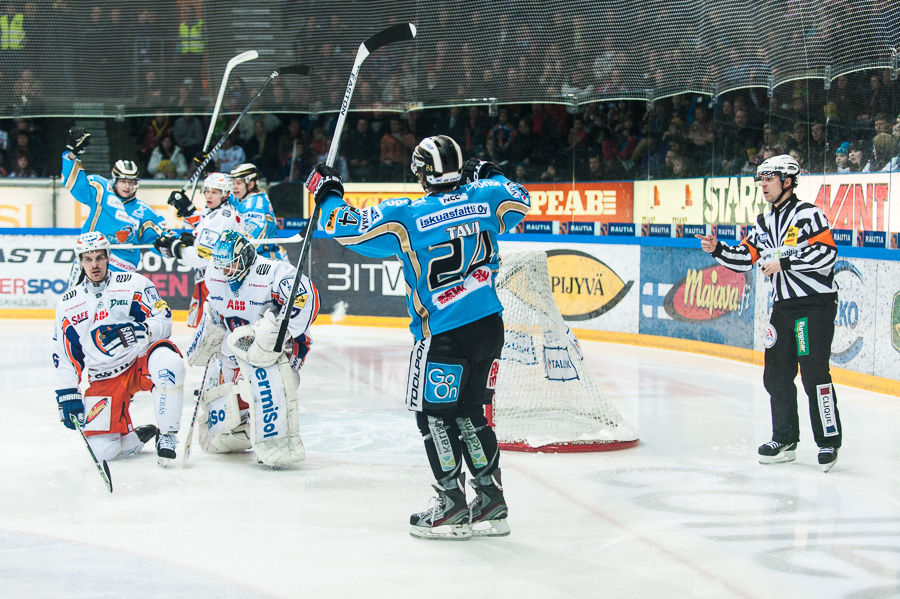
<point x="111" y="58"/>
<point x="547" y="397"/>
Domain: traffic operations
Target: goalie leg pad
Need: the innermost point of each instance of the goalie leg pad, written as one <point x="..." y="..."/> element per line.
<point x="222" y="428"/>
<point x="207" y="340"/>
<point x="274" y="407"/>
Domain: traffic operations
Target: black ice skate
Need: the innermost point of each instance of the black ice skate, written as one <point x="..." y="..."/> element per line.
<point x="828" y="457"/>
<point x="774" y="452"/>
<point x="146" y="432"/>
<point x="447" y="517"/>
<point x="487" y="512"/>
<point x="165" y="448"/>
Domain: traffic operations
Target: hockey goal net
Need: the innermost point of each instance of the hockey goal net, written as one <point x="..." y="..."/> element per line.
<point x="547" y="398"/>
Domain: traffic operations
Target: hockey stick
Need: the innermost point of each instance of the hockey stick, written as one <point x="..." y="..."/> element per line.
<point x="394" y="33"/>
<point x="235" y="61"/>
<point x="102" y="467"/>
<point x="190" y="432"/>
<point x="298" y="238"/>
<point x="294" y="69"/>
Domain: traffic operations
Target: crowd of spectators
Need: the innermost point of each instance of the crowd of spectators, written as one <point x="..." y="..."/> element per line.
<point x="854" y="127"/>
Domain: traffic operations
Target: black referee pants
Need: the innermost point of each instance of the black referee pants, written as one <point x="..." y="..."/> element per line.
<point x="804" y="329"/>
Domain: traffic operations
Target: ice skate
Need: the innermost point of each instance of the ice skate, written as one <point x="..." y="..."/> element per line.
<point x="828" y="457"/>
<point x="165" y="448"/>
<point x="487" y="512"/>
<point x="447" y="517"/>
<point x="774" y="452"/>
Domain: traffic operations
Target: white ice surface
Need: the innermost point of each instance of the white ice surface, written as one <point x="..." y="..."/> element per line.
<point x="687" y="513"/>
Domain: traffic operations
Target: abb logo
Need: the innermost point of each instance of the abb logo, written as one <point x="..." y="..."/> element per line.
<point x="237" y="305"/>
<point x="100" y="315"/>
<point x="492" y="377"/>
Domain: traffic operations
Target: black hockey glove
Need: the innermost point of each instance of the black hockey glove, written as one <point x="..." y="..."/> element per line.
<point x="170" y="245"/>
<point x="182" y="204"/>
<point x="322" y="181"/>
<point x="198" y="161"/>
<point x="79" y="139"/>
<point x="474" y="169"/>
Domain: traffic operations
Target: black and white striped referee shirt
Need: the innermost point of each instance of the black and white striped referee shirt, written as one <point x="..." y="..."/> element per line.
<point x="797" y="234"/>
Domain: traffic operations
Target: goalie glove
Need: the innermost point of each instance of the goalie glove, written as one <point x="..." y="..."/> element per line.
<point x="322" y="181"/>
<point x="259" y="351"/>
<point x="119" y="336"/>
<point x="182" y="204"/>
<point x="78" y="140"/>
<point x="474" y="169"/>
<point x="70" y="404"/>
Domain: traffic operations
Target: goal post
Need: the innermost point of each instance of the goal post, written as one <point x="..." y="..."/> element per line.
<point x="546" y="397"/>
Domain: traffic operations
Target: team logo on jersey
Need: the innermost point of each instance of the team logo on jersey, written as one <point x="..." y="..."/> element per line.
<point x="300" y="300"/>
<point x="124" y="234"/>
<point x="95" y="411"/>
<point x="791" y="236"/>
<point x="771" y="337"/>
<point x="452" y="198"/>
<point x="517" y="191"/>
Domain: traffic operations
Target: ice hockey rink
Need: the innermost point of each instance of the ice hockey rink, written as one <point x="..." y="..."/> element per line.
<point x="687" y="513"/>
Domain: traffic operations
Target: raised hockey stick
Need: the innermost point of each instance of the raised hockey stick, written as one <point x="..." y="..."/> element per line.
<point x="294" y="69"/>
<point x="297" y="238"/>
<point x="394" y="33"/>
<point x="102" y="467"/>
<point x="235" y="61"/>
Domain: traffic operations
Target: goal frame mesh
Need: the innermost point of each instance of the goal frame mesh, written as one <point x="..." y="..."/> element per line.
<point x="547" y="398"/>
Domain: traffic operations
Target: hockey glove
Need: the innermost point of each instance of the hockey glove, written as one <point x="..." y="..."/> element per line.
<point x="322" y="181"/>
<point x="165" y="245"/>
<point x="474" y="169"/>
<point x="70" y="404"/>
<point x="79" y="139"/>
<point x="261" y="352"/>
<point x="182" y="204"/>
<point x="124" y="335"/>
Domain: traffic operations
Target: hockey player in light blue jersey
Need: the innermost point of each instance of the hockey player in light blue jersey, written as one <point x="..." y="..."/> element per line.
<point x="447" y="241"/>
<point x="256" y="210"/>
<point x="114" y="209"/>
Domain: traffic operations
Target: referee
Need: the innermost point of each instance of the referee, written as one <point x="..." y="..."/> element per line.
<point x="793" y="241"/>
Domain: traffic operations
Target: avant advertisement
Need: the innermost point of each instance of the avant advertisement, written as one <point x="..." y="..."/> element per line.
<point x="858" y="201"/>
<point x="684" y="293"/>
<point x="593" y="285"/>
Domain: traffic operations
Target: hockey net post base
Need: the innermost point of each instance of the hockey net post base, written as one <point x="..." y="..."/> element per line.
<point x="547" y="398"/>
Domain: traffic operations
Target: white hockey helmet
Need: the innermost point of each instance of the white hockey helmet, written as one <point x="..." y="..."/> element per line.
<point x="125" y="169"/>
<point x="440" y="159"/>
<point x="234" y="252"/>
<point x="220" y="181"/>
<point x="92" y="241"/>
<point x="783" y="165"/>
<point x="247" y="172"/>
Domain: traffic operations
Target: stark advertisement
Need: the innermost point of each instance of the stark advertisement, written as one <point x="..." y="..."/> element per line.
<point x="593" y="285"/>
<point x="711" y="200"/>
<point x="854" y="325"/>
<point x="684" y="293"/>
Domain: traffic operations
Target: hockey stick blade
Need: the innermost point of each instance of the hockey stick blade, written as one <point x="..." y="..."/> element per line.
<point x="394" y="33"/>
<point x="294" y="69"/>
<point x="102" y="467"/>
<point x="232" y="62"/>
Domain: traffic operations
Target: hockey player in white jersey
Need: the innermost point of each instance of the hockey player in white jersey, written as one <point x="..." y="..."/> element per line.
<point x="249" y="398"/>
<point x="256" y="210"/>
<point x="113" y="329"/>
<point x="195" y="248"/>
